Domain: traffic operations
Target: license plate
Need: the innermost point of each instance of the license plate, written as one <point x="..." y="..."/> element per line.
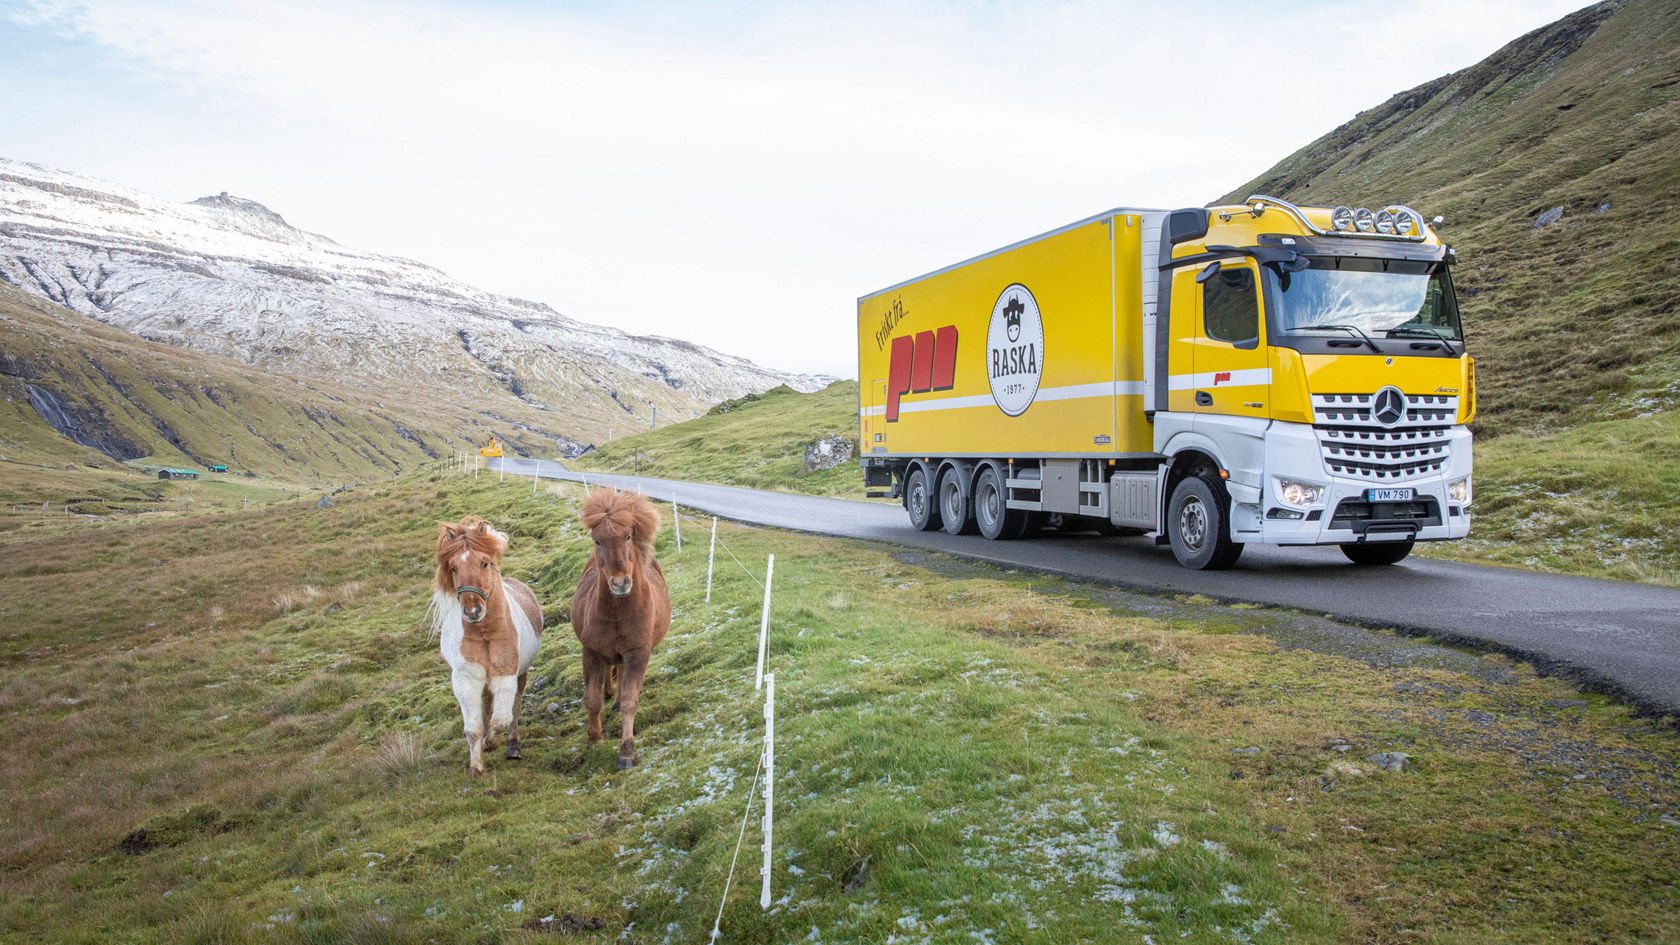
<point x="1388" y="495"/>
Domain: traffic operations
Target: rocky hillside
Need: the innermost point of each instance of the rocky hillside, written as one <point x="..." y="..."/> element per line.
<point x="228" y="276"/>
<point x="77" y="392"/>
<point x="1553" y="161"/>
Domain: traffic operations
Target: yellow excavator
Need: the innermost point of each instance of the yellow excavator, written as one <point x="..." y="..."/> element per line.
<point x="494" y="449"/>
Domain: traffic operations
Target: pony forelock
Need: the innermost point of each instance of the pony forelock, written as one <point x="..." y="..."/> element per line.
<point x="628" y="511"/>
<point x="469" y="534"/>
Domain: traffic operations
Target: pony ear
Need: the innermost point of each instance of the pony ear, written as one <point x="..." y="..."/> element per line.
<point x="483" y="527"/>
<point x="446" y="532"/>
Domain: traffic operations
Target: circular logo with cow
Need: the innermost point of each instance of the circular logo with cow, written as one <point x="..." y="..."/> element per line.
<point x="1015" y="350"/>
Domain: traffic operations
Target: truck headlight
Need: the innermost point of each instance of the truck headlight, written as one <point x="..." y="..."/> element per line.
<point x="1299" y="494"/>
<point x="1459" y="491"/>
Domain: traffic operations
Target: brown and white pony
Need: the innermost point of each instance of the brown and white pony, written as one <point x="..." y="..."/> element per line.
<point x="621" y="609"/>
<point x="490" y="627"/>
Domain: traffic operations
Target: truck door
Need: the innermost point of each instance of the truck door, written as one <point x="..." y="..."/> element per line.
<point x="1230" y="370"/>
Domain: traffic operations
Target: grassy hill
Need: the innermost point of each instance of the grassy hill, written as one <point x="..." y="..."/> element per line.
<point x="250" y="738"/>
<point x="130" y="400"/>
<point x="758" y="441"/>
<point x="1571" y="322"/>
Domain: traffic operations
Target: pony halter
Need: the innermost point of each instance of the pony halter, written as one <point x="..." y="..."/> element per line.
<point x="482" y="594"/>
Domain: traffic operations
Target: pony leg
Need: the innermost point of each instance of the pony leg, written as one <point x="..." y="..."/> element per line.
<point x="594" y="683"/>
<point x="489" y="705"/>
<point x="502" y="696"/>
<point x="469" y="692"/>
<point x="513" y="730"/>
<point x="610" y="683"/>
<point x="635" y="670"/>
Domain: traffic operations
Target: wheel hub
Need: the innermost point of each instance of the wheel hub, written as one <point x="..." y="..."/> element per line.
<point x="1192" y="523"/>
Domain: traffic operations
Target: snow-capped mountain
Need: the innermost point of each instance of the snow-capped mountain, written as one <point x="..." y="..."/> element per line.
<point x="227" y="275"/>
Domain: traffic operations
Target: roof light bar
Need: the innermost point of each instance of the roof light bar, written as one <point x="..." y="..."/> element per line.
<point x="1395" y="222"/>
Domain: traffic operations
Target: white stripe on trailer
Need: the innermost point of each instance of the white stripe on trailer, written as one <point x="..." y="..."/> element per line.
<point x="1069" y="392"/>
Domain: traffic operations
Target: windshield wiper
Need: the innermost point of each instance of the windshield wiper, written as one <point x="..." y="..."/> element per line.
<point x="1446" y="343"/>
<point x="1353" y="328"/>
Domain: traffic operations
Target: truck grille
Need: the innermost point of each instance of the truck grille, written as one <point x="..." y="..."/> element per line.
<point x="1354" y="444"/>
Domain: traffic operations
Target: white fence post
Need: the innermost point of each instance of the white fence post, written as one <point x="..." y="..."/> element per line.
<point x="676" y="519"/>
<point x="711" y="558"/>
<point x="475" y="460"/>
<point x="535" y="476"/>
<point x="501" y="469"/>
<point x="764" y="624"/>
<point x="769" y="782"/>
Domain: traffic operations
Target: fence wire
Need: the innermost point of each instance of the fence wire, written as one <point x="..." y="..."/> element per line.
<point x="752" y="793"/>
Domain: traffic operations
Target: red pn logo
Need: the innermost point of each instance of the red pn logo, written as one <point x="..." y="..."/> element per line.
<point x="1222" y="377"/>
<point x="926" y="361"/>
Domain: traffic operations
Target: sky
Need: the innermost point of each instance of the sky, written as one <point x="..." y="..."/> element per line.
<point x="736" y="174"/>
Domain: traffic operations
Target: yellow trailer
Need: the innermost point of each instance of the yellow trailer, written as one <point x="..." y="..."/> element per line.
<point x="1262" y="372"/>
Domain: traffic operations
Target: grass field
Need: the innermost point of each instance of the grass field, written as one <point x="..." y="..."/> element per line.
<point x="230" y="727"/>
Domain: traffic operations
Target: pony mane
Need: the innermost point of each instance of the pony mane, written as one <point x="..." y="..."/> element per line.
<point x="630" y="511"/>
<point x="469" y="534"/>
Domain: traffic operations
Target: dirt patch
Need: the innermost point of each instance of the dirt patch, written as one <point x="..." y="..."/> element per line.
<point x="566" y="925"/>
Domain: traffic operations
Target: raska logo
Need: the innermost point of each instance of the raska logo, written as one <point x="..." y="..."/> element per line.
<point x="923" y="362"/>
<point x="1015" y="350"/>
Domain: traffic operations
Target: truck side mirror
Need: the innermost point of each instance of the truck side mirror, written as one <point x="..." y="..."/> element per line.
<point x="1208" y="271"/>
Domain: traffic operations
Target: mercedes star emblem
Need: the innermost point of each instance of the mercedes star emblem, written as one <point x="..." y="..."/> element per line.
<point x="1388" y="407"/>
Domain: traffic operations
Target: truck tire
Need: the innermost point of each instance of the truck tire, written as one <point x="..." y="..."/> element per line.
<point x="1198" y="524"/>
<point x="956" y="512"/>
<point x="1384" y="552"/>
<point x="992" y="514"/>
<point x="918" y="501"/>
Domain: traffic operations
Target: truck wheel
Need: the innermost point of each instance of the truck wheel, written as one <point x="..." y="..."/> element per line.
<point x="1198" y="525"/>
<point x="1385" y="552"/>
<point x="918" y="501"/>
<point x="955" y="511"/>
<point x="991" y="512"/>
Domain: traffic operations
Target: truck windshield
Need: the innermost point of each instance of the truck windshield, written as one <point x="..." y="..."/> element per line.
<point x="1381" y="297"/>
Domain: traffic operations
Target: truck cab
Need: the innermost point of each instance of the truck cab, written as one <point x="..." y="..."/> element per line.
<point x="1317" y="388"/>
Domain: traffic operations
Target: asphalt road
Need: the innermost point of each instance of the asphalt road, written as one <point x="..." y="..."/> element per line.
<point x="1607" y="635"/>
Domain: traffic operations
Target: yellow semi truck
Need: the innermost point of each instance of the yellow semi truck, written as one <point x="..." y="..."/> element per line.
<point x="1208" y="376"/>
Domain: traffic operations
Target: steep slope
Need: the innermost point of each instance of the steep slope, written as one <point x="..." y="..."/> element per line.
<point x="1570" y="320"/>
<point x="229" y="276"/>
<point x="74" y="391"/>
<point x="758" y="442"/>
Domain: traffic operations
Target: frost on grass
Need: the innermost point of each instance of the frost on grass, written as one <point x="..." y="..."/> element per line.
<point x="1055" y="841"/>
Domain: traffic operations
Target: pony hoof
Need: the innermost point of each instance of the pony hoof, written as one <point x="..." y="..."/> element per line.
<point x="514" y="752"/>
<point x="624" y="764"/>
<point x="476" y="772"/>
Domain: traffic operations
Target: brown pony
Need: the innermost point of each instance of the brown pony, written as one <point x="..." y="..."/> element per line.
<point x="621" y="609"/>
<point x="490" y="627"/>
